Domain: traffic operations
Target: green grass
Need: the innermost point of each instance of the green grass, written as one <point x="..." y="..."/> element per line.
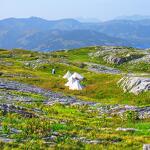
<point x="98" y="87"/>
<point x="82" y="55"/>
<point x="71" y="121"/>
<point x="74" y="122"/>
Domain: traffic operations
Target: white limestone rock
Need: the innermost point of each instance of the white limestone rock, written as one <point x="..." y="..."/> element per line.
<point x="134" y="84"/>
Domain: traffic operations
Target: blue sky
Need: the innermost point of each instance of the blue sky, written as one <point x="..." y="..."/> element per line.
<point x="57" y="9"/>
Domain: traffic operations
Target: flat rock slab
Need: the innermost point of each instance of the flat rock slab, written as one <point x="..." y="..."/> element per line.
<point x="127" y="129"/>
<point x="102" y="69"/>
<point x="6" y="140"/>
<point x="95" y="141"/>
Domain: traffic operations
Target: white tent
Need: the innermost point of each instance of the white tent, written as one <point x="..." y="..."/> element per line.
<point x="77" y="76"/>
<point x="71" y="80"/>
<point x="67" y="75"/>
<point x="76" y="86"/>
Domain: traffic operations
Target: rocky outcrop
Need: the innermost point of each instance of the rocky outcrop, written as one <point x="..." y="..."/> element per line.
<point x="107" y="50"/>
<point x="142" y="112"/>
<point x="120" y="60"/>
<point x="117" y="55"/>
<point x="145" y="59"/>
<point x="36" y="63"/>
<point x="135" y="84"/>
<point x="115" y="60"/>
<point x="146" y="146"/>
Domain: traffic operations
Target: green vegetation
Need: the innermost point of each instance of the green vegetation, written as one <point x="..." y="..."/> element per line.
<point x="71" y="122"/>
<point x="98" y="87"/>
<point x="79" y="56"/>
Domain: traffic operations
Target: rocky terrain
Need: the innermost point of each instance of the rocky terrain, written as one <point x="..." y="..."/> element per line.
<point x="7" y="98"/>
<point x="117" y="55"/>
<point x="135" y="84"/>
<point x="102" y="69"/>
<point x="145" y="59"/>
<point x="38" y="112"/>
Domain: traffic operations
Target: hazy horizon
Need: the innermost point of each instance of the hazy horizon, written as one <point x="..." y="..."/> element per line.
<point x="101" y="10"/>
<point x="80" y="19"/>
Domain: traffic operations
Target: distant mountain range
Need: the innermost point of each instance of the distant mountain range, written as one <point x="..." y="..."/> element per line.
<point x="133" y="18"/>
<point x="39" y="34"/>
<point x="92" y="20"/>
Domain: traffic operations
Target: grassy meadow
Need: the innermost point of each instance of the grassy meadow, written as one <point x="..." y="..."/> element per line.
<point x="71" y="122"/>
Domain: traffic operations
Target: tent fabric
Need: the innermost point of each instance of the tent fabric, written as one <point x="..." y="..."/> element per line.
<point x="77" y="76"/>
<point x="76" y="86"/>
<point x="71" y="80"/>
<point x="67" y="75"/>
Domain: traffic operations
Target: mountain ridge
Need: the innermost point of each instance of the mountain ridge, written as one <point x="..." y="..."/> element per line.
<point x="25" y="32"/>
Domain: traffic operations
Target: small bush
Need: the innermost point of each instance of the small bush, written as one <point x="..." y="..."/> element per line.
<point x="131" y="116"/>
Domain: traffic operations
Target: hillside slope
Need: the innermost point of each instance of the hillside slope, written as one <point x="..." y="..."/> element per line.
<point x="38" y="112"/>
